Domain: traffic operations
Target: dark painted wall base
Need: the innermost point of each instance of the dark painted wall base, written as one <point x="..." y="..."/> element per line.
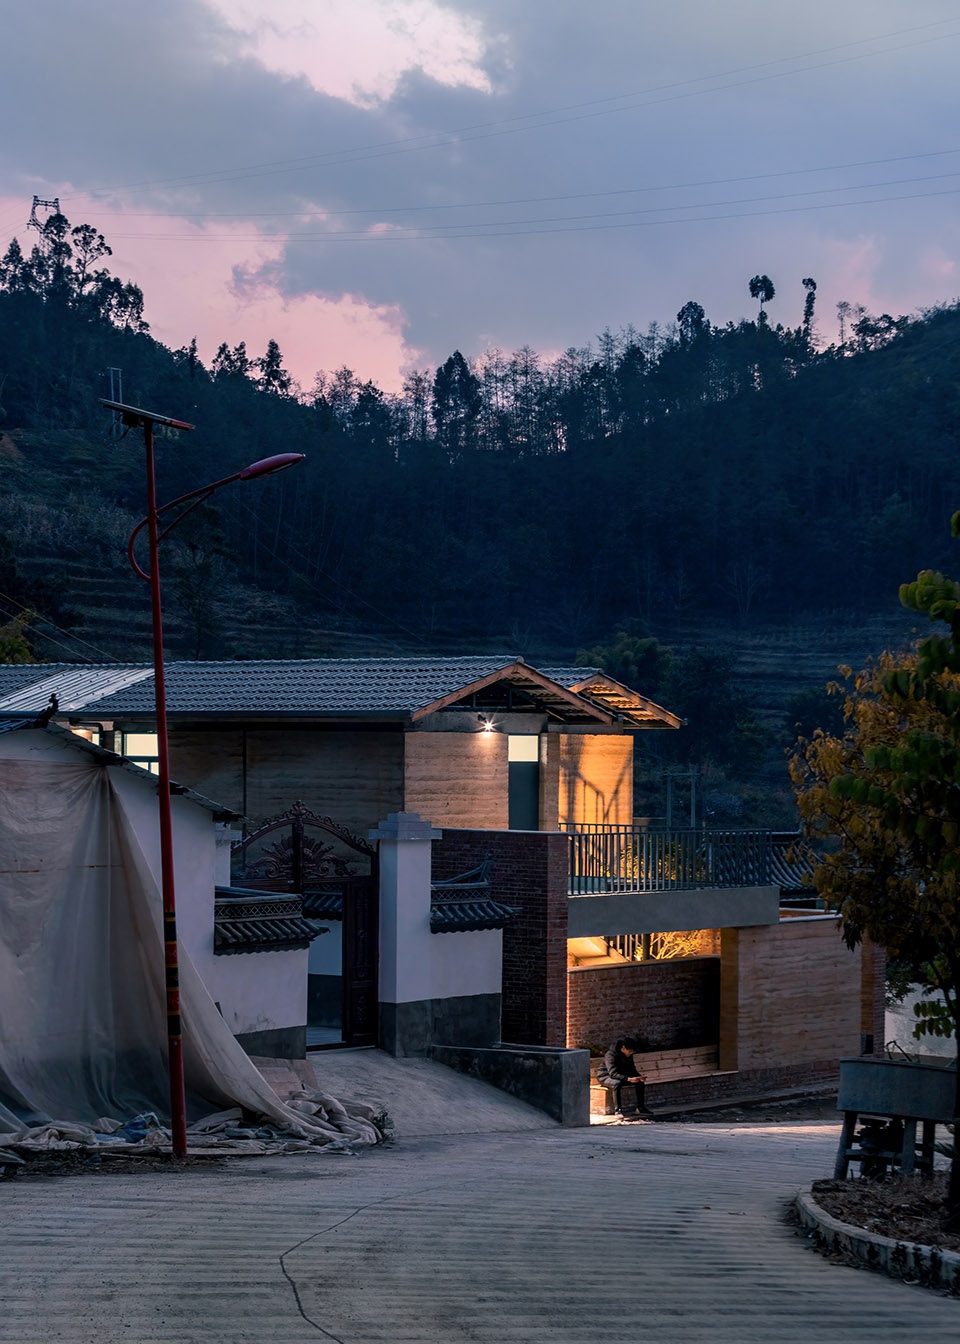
<point x="279" y="1043"/>
<point x="552" y="1079"/>
<point x="412" y="1028"/>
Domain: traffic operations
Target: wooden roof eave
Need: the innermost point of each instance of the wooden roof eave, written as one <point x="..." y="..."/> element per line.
<point x="523" y="673"/>
<point x="633" y="702"/>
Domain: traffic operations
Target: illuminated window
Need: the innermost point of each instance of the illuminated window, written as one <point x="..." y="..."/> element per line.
<point x="141" y="748"/>
<point x="525" y="748"/>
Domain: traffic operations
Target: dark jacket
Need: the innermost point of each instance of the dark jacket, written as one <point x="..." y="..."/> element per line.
<point x="616" y="1067"/>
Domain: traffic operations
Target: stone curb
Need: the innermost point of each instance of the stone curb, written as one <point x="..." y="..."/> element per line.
<point x="926" y="1265"/>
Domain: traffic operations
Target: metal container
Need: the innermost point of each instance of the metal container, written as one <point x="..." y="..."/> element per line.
<point x="880" y="1086"/>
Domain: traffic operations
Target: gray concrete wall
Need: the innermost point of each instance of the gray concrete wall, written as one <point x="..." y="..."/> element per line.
<point x="553" y="1080"/>
<point x="671" y="911"/>
<point x="466" y="1020"/>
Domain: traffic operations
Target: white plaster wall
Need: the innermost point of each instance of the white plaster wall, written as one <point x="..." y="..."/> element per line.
<point x="260" y="991"/>
<point x="900" y="1020"/>
<point x="416" y="964"/>
<point x="194" y="857"/>
<point x="406" y="970"/>
<point x="465" y="963"/>
<point x="226" y="835"/>
<point x="256" y="991"/>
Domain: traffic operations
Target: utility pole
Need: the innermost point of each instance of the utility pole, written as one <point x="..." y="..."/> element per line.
<point x="34" y="222"/>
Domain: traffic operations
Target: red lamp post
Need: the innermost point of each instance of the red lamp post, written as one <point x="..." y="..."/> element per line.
<point x="132" y="417"/>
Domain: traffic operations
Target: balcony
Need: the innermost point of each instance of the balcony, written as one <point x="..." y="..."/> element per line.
<point x="626" y="859"/>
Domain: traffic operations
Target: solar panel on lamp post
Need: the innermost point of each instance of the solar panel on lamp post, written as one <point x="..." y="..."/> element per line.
<point x="133" y="417"/>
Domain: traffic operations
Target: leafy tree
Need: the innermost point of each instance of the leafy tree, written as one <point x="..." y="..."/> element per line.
<point x="889" y="791"/>
<point x="817" y="707"/>
<point x="231" y="364"/>
<point x="639" y="661"/>
<point x="14" y="645"/>
<point x="719" y="726"/>
<point x="761" y="287"/>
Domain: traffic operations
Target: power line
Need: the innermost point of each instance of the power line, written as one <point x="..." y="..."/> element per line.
<point x="429" y="233"/>
<point x="541" y="200"/>
<point x="12" y="601"/>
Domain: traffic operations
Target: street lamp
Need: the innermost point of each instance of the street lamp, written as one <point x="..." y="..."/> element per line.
<point x="132" y="417"/>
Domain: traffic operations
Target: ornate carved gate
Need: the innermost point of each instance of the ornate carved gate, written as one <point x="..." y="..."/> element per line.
<point x="337" y="874"/>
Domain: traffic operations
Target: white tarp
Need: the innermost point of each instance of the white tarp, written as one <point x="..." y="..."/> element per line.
<point x="82" y="1004"/>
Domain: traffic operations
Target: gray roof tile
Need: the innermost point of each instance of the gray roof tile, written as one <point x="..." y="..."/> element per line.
<point x="334" y="687"/>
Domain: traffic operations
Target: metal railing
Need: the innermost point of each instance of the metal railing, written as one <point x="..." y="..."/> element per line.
<point x="625" y="858"/>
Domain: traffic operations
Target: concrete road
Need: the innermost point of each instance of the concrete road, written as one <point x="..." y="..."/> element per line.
<point x="651" y="1232"/>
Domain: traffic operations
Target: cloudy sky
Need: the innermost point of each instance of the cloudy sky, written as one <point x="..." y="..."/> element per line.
<point x="377" y="182"/>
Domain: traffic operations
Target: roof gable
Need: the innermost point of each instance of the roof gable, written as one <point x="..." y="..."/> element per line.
<point x="623" y="702"/>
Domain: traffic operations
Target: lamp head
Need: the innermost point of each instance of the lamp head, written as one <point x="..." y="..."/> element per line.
<point x="267" y="466"/>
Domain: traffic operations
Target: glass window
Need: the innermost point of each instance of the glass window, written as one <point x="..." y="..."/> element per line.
<point x="525" y="748"/>
<point x="140" y="744"/>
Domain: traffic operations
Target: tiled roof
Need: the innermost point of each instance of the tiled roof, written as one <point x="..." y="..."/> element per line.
<point x="324" y="904"/>
<point x="467" y="916"/>
<point x="791" y="861"/>
<point x="260" y="921"/>
<point x="76" y="687"/>
<point x="463" y="904"/>
<point x="398" y="688"/>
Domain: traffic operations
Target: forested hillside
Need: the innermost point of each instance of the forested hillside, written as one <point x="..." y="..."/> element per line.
<point x="697" y="482"/>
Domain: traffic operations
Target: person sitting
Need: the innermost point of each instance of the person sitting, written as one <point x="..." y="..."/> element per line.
<point x="618" y="1067"/>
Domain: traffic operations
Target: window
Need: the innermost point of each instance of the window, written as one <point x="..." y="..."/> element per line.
<point x="523" y="757"/>
<point x="141" y="748"/>
<point x="525" y="748"/>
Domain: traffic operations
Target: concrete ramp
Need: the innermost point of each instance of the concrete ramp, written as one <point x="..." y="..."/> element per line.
<point x="422" y="1097"/>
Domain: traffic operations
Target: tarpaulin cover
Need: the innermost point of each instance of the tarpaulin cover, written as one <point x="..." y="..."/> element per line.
<point x="82" y="1000"/>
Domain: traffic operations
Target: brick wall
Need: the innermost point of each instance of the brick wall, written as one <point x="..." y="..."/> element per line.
<point x="529" y="870"/>
<point x="671" y="1003"/>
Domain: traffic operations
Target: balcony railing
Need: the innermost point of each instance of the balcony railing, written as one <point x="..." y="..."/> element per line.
<point x="606" y="859"/>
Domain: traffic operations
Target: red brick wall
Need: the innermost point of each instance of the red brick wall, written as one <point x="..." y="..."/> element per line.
<point x="529" y="870"/>
<point x="672" y="1003"/>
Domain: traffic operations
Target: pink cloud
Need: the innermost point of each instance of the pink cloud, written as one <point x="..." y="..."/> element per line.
<point x="189" y="279"/>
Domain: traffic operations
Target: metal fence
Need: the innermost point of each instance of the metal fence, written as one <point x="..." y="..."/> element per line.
<point x="625" y="858"/>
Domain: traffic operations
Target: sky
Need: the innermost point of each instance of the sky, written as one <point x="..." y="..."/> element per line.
<point x="375" y="183"/>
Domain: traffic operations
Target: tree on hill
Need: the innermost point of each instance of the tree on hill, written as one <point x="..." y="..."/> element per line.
<point x="888" y="791"/>
<point x="14" y="644"/>
<point x="761" y="287"/>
